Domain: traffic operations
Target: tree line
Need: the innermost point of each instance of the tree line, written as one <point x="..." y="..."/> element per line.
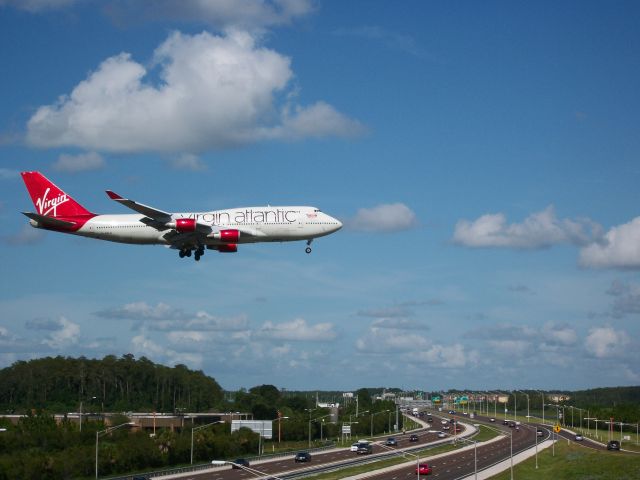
<point x="38" y="447"/>
<point x="110" y="384"/>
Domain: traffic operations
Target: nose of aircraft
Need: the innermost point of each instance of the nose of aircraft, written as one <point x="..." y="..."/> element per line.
<point x="338" y="224"/>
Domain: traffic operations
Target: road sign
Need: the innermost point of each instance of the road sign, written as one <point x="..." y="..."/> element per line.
<point x="557" y="428"/>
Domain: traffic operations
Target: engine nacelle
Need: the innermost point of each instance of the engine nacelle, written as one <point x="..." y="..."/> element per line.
<point x="228" y="236"/>
<point x="183" y="225"/>
<point x="228" y="248"/>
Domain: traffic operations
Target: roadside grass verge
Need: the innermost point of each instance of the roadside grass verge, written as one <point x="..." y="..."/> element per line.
<point x="573" y="461"/>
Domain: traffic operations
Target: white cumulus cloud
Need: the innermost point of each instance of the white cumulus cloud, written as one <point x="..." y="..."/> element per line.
<point x="605" y="342"/>
<point x="539" y="230"/>
<point x="390" y="217"/>
<point x="297" y="330"/>
<point x="68" y="333"/>
<point x="620" y="248"/>
<point x="213" y="92"/>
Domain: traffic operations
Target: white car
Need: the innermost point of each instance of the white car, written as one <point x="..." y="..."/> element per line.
<point x="354" y="447"/>
<point x="444" y="422"/>
<point x="579" y="438"/>
<point x="441" y="434"/>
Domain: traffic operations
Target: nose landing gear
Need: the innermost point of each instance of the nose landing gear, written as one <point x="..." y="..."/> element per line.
<point x="308" y="249"/>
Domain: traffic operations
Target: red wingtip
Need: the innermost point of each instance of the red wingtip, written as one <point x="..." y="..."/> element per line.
<point x="113" y="195"/>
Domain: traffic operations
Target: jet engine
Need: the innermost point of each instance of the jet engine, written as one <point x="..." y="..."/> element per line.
<point x="183" y="225"/>
<point x="229" y="236"/>
<point x="228" y="248"/>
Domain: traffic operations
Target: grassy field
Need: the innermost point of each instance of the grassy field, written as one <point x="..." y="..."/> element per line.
<point x="573" y="461"/>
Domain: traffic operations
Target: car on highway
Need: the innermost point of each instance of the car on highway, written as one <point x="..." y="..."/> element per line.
<point x="391" y="442"/>
<point x="239" y="463"/>
<point x="441" y="435"/>
<point x="579" y="438"/>
<point x="444" y="421"/>
<point x="539" y="432"/>
<point x="413" y="438"/>
<point x="354" y="446"/>
<point x="446" y="427"/>
<point x="302" y="457"/>
<point x="492" y="419"/>
<point x="429" y="420"/>
<point x="364" y="449"/>
<point x="505" y="422"/>
<point x="423" y="469"/>
<point x="613" y="445"/>
<point x="458" y="429"/>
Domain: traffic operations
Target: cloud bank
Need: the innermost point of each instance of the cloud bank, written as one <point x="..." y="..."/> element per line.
<point x="212" y="92"/>
<point x="539" y="230"/>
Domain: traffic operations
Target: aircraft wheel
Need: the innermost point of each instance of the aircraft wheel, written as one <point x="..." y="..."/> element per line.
<point x="197" y="257"/>
<point x="308" y="249"/>
<point x="181" y="253"/>
<point x="188" y="254"/>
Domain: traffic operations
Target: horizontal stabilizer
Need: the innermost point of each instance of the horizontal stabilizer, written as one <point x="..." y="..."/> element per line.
<point x="49" y="221"/>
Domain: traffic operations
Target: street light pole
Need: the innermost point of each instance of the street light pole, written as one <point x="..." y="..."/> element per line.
<point x="374" y="414"/>
<point x="193" y="429"/>
<point x="104" y="432"/>
<point x="318" y="418"/>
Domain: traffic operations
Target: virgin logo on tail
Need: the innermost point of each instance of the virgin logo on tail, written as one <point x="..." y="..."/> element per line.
<point x="45" y="206"/>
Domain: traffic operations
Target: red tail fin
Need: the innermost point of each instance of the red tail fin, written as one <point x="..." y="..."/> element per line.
<point x="49" y="200"/>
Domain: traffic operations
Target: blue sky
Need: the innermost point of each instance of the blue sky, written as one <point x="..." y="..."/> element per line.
<point x="483" y="156"/>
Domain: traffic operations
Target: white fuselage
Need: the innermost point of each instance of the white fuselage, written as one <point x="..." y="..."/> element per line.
<point x="255" y="224"/>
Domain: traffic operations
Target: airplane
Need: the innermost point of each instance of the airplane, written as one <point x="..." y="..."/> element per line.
<point x="221" y="230"/>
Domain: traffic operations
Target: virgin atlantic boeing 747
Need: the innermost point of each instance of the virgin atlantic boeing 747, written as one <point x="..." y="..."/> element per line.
<point x="220" y="230"/>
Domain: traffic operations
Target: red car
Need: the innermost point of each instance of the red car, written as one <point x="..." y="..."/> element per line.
<point x="423" y="469"/>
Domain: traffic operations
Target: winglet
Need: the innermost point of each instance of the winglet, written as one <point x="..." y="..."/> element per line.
<point x="113" y="195"/>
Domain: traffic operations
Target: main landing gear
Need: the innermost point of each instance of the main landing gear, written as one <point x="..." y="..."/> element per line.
<point x="197" y="253"/>
<point x="308" y="249"/>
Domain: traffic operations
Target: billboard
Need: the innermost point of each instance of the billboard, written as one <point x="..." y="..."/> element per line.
<point x="263" y="427"/>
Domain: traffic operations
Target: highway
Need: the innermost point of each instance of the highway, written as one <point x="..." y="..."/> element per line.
<point x="445" y="467"/>
<point x="284" y="466"/>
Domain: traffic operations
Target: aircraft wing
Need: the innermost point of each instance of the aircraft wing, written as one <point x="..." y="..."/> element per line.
<point x="153" y="213"/>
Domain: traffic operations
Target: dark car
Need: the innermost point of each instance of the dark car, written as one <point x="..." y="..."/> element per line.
<point x="429" y="420"/>
<point x="613" y="445"/>
<point x="364" y="449"/>
<point x="240" y="462"/>
<point x="303" y="457"/>
<point x="505" y="422"/>
<point x="391" y="442"/>
<point x="413" y="438"/>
